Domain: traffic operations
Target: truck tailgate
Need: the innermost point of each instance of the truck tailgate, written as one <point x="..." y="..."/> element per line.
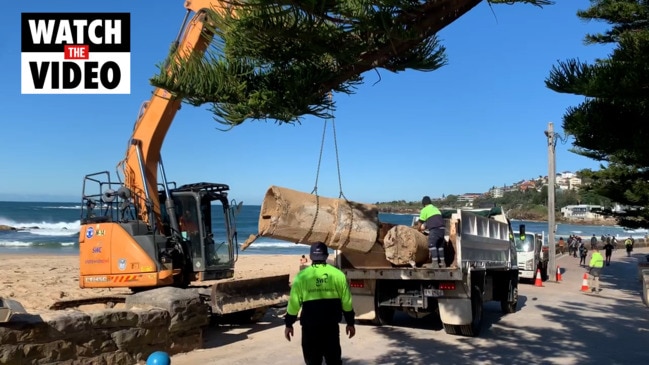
<point x="404" y="274"/>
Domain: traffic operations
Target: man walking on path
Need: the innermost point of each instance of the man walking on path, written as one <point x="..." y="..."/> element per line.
<point x="608" y="250"/>
<point x="596" y="264"/>
<point x="628" y="243"/>
<point x="583" y="252"/>
<point x="321" y="290"/>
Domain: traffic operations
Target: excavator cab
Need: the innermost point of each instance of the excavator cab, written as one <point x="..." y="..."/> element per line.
<point x="117" y="249"/>
<point x="212" y="250"/>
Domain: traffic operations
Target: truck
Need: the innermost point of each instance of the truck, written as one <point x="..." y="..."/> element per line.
<point x="532" y="255"/>
<point x="484" y="269"/>
<point x="141" y="231"/>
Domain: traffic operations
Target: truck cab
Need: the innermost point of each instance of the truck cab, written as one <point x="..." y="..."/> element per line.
<point x="532" y="254"/>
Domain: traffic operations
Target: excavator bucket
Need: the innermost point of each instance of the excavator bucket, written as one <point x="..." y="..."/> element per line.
<point x="245" y="294"/>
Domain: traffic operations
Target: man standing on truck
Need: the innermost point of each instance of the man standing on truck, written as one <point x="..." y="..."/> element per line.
<point x="322" y="292"/>
<point x="431" y="221"/>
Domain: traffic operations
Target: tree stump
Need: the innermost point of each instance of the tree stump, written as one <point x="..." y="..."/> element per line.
<point x="405" y="246"/>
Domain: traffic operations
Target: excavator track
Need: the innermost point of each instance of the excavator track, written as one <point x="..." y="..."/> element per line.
<point x="109" y="301"/>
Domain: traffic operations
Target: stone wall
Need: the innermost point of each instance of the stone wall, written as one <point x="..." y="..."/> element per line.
<point x="164" y="319"/>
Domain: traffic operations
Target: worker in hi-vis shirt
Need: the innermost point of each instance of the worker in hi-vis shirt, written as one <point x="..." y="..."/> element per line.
<point x="321" y="290"/>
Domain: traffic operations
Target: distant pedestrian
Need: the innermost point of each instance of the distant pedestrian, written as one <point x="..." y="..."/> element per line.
<point x="583" y="252"/>
<point x="593" y="242"/>
<point x="562" y="245"/>
<point x="595" y="270"/>
<point x="303" y="262"/>
<point x="608" y="250"/>
<point x="574" y="243"/>
<point x="614" y="243"/>
<point x="628" y="243"/>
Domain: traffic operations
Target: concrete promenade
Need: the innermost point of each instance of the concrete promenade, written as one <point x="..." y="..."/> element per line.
<point x="554" y="324"/>
<point x="611" y="327"/>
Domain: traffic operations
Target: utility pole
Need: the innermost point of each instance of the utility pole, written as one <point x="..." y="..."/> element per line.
<point x="552" y="267"/>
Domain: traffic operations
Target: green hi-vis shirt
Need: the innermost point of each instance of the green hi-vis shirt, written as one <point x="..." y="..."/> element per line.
<point x="596" y="260"/>
<point x="322" y="292"/>
<point x="431" y="216"/>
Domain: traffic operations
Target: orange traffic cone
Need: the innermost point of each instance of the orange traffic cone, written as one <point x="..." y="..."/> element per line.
<point x="538" y="281"/>
<point x="584" y="283"/>
<point x="558" y="274"/>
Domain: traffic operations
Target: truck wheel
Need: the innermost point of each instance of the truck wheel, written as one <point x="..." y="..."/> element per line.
<point x="473" y="329"/>
<point x="384" y="316"/>
<point x="510" y="307"/>
<point x="451" y="329"/>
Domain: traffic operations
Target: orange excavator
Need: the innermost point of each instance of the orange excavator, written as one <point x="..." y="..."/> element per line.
<point x="141" y="231"/>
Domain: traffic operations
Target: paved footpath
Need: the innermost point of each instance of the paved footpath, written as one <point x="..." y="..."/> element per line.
<point x="611" y="327"/>
<point x="554" y="324"/>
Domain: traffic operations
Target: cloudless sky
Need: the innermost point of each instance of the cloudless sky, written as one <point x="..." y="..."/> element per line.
<point x="476" y="123"/>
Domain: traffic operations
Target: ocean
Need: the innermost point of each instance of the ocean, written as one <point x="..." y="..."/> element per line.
<point x="53" y="228"/>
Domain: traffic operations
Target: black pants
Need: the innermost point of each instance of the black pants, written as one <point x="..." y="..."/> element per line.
<point x="321" y="342"/>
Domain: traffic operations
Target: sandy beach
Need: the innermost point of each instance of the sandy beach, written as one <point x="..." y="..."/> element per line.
<point x="39" y="281"/>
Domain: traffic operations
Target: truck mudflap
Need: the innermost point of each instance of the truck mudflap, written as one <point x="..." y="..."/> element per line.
<point x="240" y="295"/>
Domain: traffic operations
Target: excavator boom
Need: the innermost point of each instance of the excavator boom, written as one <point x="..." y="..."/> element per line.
<point x="140" y="166"/>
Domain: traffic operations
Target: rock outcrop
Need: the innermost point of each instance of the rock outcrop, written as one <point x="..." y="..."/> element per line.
<point x="164" y="319"/>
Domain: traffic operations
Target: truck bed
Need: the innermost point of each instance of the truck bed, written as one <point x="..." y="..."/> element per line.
<point x="480" y="243"/>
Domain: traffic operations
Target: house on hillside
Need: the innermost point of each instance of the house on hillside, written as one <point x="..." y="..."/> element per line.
<point x="581" y="212"/>
<point x="468" y="198"/>
<point x="496" y="192"/>
<point x="527" y="185"/>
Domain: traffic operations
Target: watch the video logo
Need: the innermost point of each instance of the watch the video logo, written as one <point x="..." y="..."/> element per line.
<point x="75" y="53"/>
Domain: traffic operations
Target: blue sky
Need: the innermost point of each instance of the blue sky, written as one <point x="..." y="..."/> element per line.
<point x="473" y="124"/>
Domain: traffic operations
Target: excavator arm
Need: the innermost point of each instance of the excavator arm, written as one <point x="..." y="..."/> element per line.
<point x="140" y="166"/>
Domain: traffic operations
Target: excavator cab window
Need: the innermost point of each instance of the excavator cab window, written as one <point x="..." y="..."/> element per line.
<point x="189" y="222"/>
<point x="206" y="225"/>
<point x="218" y="251"/>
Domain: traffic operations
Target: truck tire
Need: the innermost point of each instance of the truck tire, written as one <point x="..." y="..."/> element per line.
<point x="451" y="329"/>
<point x="507" y="306"/>
<point x="384" y="316"/>
<point x="472" y="329"/>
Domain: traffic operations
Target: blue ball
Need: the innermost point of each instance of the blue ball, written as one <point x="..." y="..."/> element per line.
<point x="158" y="358"/>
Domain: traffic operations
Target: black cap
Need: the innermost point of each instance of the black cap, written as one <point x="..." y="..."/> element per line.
<point x="319" y="252"/>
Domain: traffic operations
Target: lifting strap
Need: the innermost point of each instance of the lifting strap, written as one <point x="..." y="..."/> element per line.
<point x="317" y="175"/>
